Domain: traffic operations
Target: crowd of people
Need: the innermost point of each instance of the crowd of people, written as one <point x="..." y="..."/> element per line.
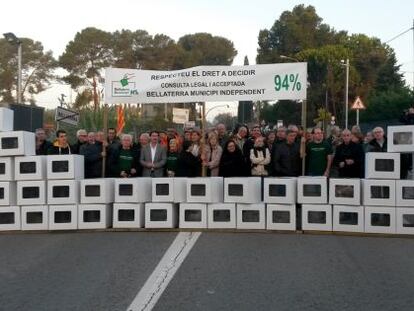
<point x="237" y="153"/>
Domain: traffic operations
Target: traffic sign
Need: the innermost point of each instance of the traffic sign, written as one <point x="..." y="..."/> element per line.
<point x="66" y="116"/>
<point x="358" y="104"/>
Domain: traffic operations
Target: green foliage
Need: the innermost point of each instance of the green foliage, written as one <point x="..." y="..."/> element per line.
<point x="87" y="54"/>
<point x="37" y="69"/>
<point x="84" y="59"/>
<point x="374" y="75"/>
<point x="138" y="49"/>
<point x="286" y="110"/>
<point x="205" y="49"/>
<point x="388" y="104"/>
<point x="324" y="116"/>
<point x="293" y="32"/>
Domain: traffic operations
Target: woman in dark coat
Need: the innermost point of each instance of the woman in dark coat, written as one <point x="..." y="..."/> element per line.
<point x="190" y="158"/>
<point x="232" y="162"/>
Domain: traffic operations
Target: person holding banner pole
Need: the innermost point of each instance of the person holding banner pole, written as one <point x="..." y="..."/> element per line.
<point x="104" y="143"/>
<point x="203" y="141"/>
<point x="303" y="139"/>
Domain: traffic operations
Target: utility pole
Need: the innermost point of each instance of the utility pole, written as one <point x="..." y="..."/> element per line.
<point x="19" y="69"/>
<point x="346" y="93"/>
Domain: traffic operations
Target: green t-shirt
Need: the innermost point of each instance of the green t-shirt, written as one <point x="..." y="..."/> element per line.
<point x="172" y="162"/>
<point x="317" y="157"/>
<point x="125" y="160"/>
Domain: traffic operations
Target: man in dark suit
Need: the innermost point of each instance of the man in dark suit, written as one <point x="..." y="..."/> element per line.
<point x="153" y="157"/>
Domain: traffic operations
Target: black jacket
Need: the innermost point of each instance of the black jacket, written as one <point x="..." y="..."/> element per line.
<point x="58" y="150"/>
<point x="76" y="147"/>
<point x="248" y="145"/>
<point x="286" y="159"/>
<point x="232" y="164"/>
<point x="189" y="165"/>
<point x="354" y="152"/>
<point x="374" y="146"/>
<point x="43" y="148"/>
<point x="93" y="159"/>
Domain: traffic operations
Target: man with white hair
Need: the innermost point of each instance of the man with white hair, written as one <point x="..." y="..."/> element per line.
<point x="82" y="138"/>
<point x="379" y="143"/>
<point x="144" y="139"/>
<point x="124" y="161"/>
<point x="222" y="135"/>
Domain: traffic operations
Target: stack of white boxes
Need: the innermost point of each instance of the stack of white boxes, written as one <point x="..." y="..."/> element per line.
<point x="401" y="139"/>
<point x="167" y="193"/>
<point x="246" y="193"/>
<point x="345" y="196"/>
<point x="313" y="195"/>
<point x="131" y="194"/>
<point x="15" y="144"/>
<point x="279" y="195"/>
<point x="201" y="193"/>
<point x="30" y="174"/>
<point x="96" y="198"/>
<point x="381" y="171"/>
<point x="64" y="173"/>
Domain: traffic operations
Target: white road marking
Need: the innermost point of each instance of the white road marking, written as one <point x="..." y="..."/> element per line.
<point x="164" y="272"/>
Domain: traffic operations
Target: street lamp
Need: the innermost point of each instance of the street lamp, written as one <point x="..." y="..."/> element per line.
<point x="215" y="107"/>
<point x="13" y="40"/>
<point x="346" y="64"/>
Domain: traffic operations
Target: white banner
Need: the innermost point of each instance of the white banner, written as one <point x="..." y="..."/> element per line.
<point x="180" y="115"/>
<point x="207" y="83"/>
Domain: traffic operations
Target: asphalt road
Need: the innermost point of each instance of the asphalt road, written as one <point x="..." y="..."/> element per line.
<point x="224" y="271"/>
<point x="77" y="271"/>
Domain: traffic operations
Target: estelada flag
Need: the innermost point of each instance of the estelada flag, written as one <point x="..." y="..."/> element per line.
<point x="120" y="119"/>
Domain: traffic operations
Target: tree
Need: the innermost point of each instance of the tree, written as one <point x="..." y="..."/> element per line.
<point x="206" y="49"/>
<point x="293" y="32"/>
<point x="37" y="69"/>
<point x="387" y="104"/>
<point x="130" y="48"/>
<point x="226" y="118"/>
<point x="286" y="110"/>
<point x="138" y="49"/>
<point x="85" y="57"/>
<point x="301" y="34"/>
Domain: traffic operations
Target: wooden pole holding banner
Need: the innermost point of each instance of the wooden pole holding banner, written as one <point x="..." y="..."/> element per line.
<point x="202" y="141"/>
<point x="105" y="139"/>
<point x="303" y="140"/>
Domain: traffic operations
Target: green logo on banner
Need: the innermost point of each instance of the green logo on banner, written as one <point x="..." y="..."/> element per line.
<point x="125" y="80"/>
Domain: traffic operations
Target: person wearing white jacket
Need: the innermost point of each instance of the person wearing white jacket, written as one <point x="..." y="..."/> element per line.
<point x="259" y="157"/>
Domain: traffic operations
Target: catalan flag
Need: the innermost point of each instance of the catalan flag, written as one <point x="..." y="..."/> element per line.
<point x="120" y="115"/>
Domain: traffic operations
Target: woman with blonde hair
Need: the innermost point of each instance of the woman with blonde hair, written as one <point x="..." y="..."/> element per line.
<point x="212" y="154"/>
<point x="260" y="157"/>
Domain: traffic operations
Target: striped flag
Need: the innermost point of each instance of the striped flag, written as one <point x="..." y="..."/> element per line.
<point x="120" y="110"/>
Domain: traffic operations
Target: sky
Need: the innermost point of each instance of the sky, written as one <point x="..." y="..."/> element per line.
<point x="55" y="23"/>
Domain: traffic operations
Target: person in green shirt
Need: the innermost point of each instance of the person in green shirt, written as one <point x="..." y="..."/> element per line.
<point x="319" y="155"/>
<point x="172" y="158"/>
<point x="126" y="158"/>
